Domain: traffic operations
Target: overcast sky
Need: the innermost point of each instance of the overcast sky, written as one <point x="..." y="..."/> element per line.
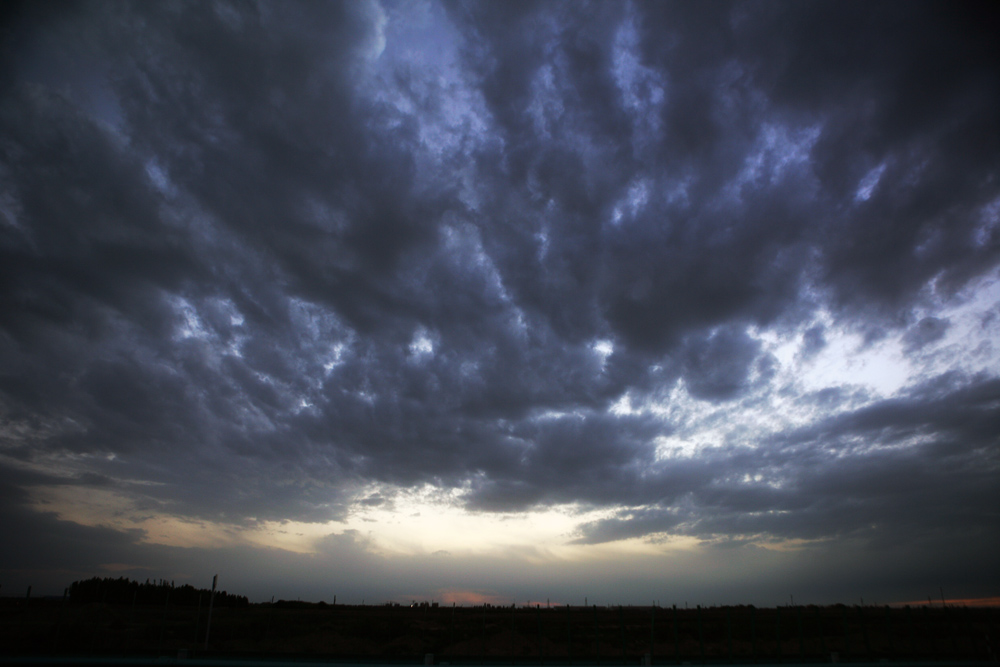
<point x="505" y="301"/>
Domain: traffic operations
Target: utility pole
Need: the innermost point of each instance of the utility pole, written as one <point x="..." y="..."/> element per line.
<point x="211" y="601"/>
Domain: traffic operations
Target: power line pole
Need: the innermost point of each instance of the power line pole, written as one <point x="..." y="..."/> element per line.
<point x="211" y="601"/>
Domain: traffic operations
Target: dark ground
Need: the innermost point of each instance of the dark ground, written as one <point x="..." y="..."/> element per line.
<point x="558" y="635"/>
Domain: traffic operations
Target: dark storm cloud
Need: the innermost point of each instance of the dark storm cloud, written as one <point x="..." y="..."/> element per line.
<point x="813" y="341"/>
<point x="280" y="265"/>
<point x="729" y="77"/>
<point x="927" y="330"/>
<point x="578" y="457"/>
<point x="718" y="367"/>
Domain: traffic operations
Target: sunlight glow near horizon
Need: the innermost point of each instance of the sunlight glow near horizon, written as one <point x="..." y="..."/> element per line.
<point x="429" y="520"/>
<point x="417" y="529"/>
<point x="415" y="524"/>
<point x="497" y="303"/>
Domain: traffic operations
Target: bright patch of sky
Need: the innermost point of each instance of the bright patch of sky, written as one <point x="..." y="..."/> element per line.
<point x="159" y="178"/>
<point x="989" y="223"/>
<point x="334" y="358"/>
<point x="546" y="108"/>
<point x="429" y="519"/>
<point x="642" y="88"/>
<point x="887" y="365"/>
<point x="672" y="447"/>
<point x="604" y="349"/>
<point x="870" y="371"/>
<point x="190" y="324"/>
<point x="971" y="344"/>
<point x="778" y="151"/>
<point x="404" y="522"/>
<point x="869" y="183"/>
<point x="422" y="345"/>
<point x="450" y="114"/>
<point x="848" y="360"/>
<point x="214" y="322"/>
<point x="633" y="202"/>
<point x="464" y="245"/>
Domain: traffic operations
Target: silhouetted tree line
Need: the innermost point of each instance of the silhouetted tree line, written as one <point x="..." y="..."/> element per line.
<point x="126" y="591"/>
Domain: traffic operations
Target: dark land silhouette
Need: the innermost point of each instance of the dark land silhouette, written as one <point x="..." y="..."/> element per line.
<point x="112" y="617"/>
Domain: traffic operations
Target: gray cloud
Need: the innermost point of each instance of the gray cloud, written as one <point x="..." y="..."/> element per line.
<point x="718" y="366"/>
<point x="813" y="341"/>
<point x="927" y="330"/>
<point x="261" y="257"/>
<point x="923" y="464"/>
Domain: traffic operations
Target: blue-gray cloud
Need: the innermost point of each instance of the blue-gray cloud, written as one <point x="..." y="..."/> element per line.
<point x="256" y="258"/>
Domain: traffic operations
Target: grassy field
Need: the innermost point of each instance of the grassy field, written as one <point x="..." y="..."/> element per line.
<point x="591" y="635"/>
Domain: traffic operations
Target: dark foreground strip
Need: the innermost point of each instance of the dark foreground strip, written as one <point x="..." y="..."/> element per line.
<point x="39" y="661"/>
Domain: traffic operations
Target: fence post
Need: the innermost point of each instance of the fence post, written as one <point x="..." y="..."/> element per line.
<point x="677" y="645"/>
<point x="847" y="636"/>
<point x="597" y="639"/>
<point x="621" y="623"/>
<point x="864" y="632"/>
<point x="970" y="632"/>
<point x="891" y="645"/>
<point x="652" y="632"/>
<point x="513" y="625"/>
<point x="131" y="622"/>
<point x="802" y="646"/>
<point x="729" y="634"/>
<point x="822" y="634"/>
<point x="197" y="618"/>
<point x="777" y="631"/>
<point x="569" y="634"/>
<point x="951" y="626"/>
<point x="701" y="637"/>
<point x="541" y="651"/>
<point x="163" y="621"/>
<point x="909" y="618"/>
<point x="211" y="603"/>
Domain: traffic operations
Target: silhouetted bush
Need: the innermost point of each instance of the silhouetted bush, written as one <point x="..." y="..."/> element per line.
<point x="126" y="591"/>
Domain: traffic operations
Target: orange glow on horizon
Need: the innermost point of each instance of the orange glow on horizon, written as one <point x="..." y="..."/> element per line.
<point x="464" y="597"/>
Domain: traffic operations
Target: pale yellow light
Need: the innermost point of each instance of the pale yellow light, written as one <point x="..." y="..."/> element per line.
<point x="415" y="524"/>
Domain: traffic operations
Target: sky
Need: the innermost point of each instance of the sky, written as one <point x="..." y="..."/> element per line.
<point x="624" y="302"/>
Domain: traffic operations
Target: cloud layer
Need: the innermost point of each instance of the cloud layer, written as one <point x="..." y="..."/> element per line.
<point x="259" y="260"/>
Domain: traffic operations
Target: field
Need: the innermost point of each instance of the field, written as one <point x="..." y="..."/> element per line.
<point x="557" y="635"/>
